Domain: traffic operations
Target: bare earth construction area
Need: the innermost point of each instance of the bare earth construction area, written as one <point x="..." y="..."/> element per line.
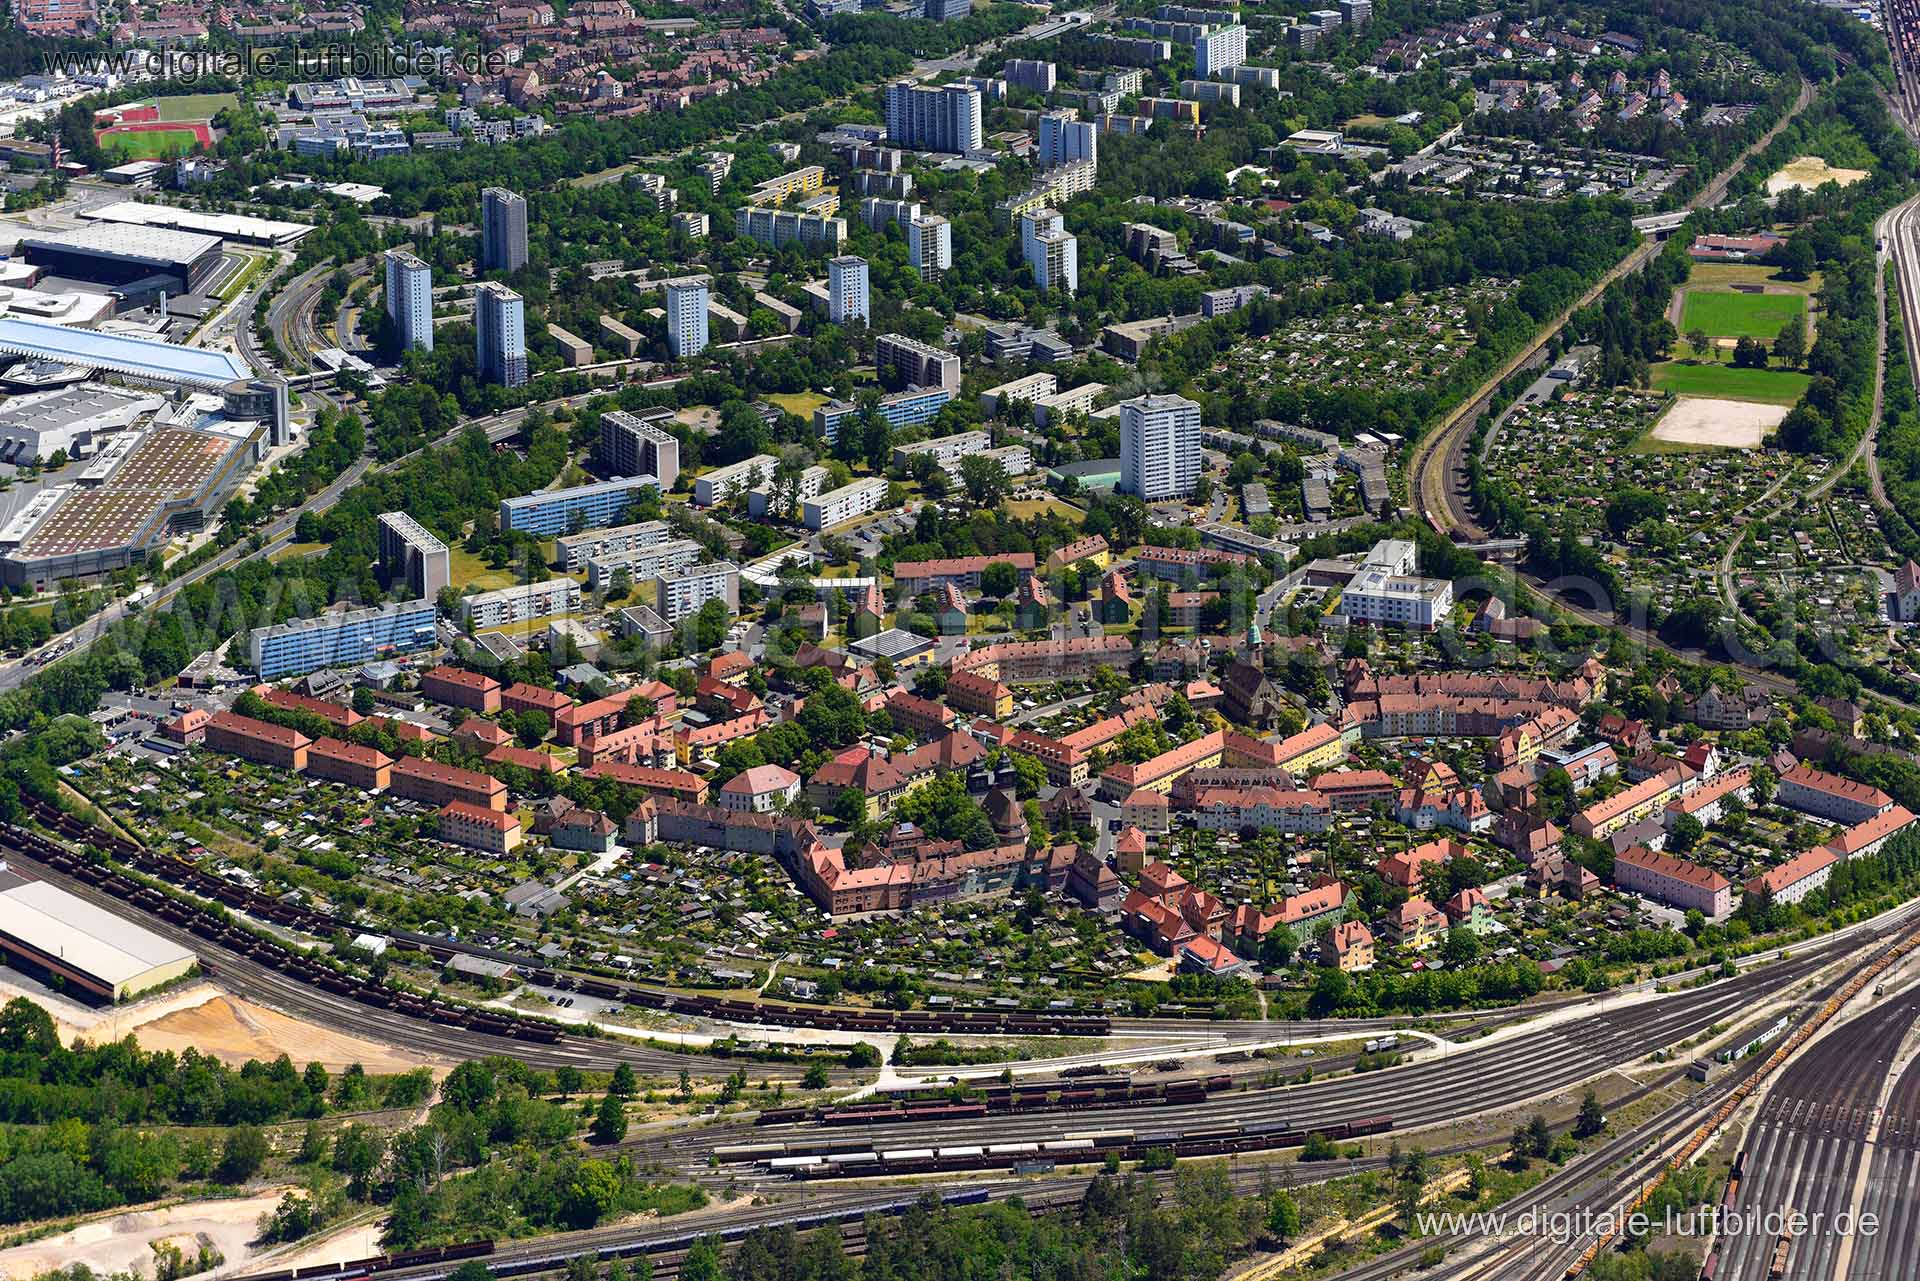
<point x="1725" y="424"/>
<point x="1810" y="172"/>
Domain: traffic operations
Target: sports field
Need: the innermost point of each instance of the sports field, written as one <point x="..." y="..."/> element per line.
<point x="1723" y="382"/>
<point x="154" y="141"/>
<point x="195" y="106"/>
<point x="1731" y="315"/>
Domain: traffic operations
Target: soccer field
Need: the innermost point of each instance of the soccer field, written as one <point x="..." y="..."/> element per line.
<point x="1731" y="315"/>
<point x="195" y="106"/>
<point x="150" y="144"/>
<point x="1723" y="382"/>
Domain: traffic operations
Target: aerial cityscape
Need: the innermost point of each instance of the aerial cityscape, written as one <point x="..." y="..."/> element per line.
<point x="959" y="640"/>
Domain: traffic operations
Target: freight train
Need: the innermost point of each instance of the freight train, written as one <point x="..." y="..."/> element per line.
<point x="173" y="870"/>
<point x="833" y="1158"/>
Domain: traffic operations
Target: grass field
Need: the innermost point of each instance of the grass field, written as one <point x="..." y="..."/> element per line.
<point x="195" y="106"/>
<point x="470" y="571"/>
<point x="1739" y="315"/>
<point x="800" y="404"/>
<point x="1765" y="386"/>
<point x="150" y="144"/>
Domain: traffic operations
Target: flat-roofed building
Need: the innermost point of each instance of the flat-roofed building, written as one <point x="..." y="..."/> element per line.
<point x="844" y="503"/>
<point x="640" y="445"/>
<point x="108" y="253"/>
<point x="916" y="364"/>
<point x="343" y="638"/>
<point x="87" y="947"/>
<point x="574" y="551"/>
<point x="682" y="592"/>
<point x="643" y="562"/>
<point x="411" y="554"/>
<point x="946" y="451"/>
<point x="520" y="603"/>
<point x="562" y="511"/>
<point x="728" y="482"/>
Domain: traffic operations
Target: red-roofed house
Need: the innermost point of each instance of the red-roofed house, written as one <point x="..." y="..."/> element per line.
<point x="760" y="789"/>
<point x="1416" y="923"/>
<point x="1830" y="796"/>
<point x="477" y="828"/>
<point x="1796" y="878"/>
<point x="1673" y="881"/>
<point x="1409" y="867"/>
<point x="1348" y="946"/>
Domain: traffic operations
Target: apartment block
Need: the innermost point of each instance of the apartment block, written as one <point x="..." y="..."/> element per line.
<point x="411" y="555"/>
<point x="429" y="782"/>
<point x="682" y="592"/>
<point x="844" y="503"/>
<point x="520" y="603"/>
<point x="913" y="363"/>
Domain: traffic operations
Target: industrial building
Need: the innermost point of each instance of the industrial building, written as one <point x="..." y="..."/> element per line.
<point x="68" y="420"/>
<point x="343" y="638"/>
<point x="248" y="230"/>
<point x="141" y="489"/>
<point x="411" y="555"/>
<point x="47" y="929"/>
<point x="137" y="259"/>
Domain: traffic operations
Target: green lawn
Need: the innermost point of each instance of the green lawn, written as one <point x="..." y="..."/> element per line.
<point x="800" y="404"/>
<point x="1724" y="382"/>
<point x="195" y="106"/>
<point x="1733" y="315"/>
<point x="470" y="571"/>
<point x="151" y="144"/>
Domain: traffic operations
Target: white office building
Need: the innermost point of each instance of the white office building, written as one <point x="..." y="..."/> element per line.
<point x="1052" y="253"/>
<point x="846" y="289"/>
<point x="1218" y="51"/>
<point x="1159" y="447"/>
<point x="844" y="503"/>
<point x="933" y="117"/>
<point x="930" y="246"/>
<point x="410" y="299"/>
<point x="683" y="592"/>
<point x="520" y="603"/>
<point x="500" y="334"/>
<point x="1065" y="138"/>
<point x="1387" y="591"/>
<point x="687" y="316"/>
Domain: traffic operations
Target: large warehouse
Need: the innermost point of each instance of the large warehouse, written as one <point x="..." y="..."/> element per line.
<point x="116" y="254"/>
<point x="49" y="930"/>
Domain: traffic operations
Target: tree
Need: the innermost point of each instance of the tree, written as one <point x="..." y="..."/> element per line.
<point x="816" y="1078"/>
<point x="567" y="1079"/>
<point x="531" y="726"/>
<point x="1461" y="947"/>
<point x="985" y="480"/>
<point x="610" y="1122"/>
<point x="1592" y="1119"/>
<point x="1790" y="344"/>
<point x="1697" y="340"/>
<point x="1686" y="833"/>
<point x="1749" y="353"/>
<point x="241" y="1157"/>
<point x="998" y="578"/>
<point x="363" y="702"/>
<point x="1283" y="1217"/>
<point x="623" y="1085"/>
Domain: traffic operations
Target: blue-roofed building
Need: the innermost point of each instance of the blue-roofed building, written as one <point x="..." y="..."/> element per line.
<point x="146" y="360"/>
<point x="907" y="409"/>
<point x="566" y="511"/>
<point x="342" y="639"/>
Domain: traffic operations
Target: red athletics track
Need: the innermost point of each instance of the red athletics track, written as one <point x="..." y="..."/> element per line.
<point x="202" y="132"/>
